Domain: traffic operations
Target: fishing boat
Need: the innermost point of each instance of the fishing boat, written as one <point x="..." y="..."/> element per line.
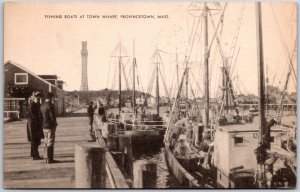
<point x="143" y="130"/>
<point x="234" y="153"/>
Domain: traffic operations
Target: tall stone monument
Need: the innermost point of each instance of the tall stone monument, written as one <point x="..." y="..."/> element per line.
<point x="84" y="76"/>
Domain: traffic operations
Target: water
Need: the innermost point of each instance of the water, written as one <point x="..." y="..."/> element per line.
<point x="165" y="179"/>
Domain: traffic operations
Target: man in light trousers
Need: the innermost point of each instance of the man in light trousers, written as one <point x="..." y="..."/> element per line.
<point x="49" y="128"/>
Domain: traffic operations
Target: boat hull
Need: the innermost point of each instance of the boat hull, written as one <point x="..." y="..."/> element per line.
<point x="181" y="174"/>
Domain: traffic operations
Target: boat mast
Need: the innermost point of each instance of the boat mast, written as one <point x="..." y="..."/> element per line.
<point x="206" y="68"/>
<point x="157" y="83"/>
<point x="261" y="86"/>
<point x="177" y="68"/>
<point x="133" y="83"/>
<point x="187" y="79"/>
<point x="120" y="81"/>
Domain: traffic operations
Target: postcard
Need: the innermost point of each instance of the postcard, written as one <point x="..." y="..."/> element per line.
<point x="150" y="95"/>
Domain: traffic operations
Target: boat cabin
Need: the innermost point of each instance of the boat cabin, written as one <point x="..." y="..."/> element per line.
<point x="234" y="147"/>
<point x="126" y="117"/>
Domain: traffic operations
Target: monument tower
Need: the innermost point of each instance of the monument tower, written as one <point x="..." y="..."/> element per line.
<point x="84" y="76"/>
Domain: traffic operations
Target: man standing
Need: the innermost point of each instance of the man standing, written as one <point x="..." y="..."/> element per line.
<point x="102" y="113"/>
<point x="34" y="125"/>
<point x="49" y="127"/>
<point x="91" y="112"/>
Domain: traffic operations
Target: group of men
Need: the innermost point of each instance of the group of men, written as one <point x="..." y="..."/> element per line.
<point x="41" y="124"/>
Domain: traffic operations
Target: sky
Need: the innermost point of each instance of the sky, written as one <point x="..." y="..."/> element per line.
<point x="53" y="45"/>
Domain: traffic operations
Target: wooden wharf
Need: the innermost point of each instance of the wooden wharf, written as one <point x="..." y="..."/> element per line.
<point x="20" y="171"/>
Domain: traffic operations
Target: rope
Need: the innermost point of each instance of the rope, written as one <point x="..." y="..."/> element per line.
<point x="164" y="84"/>
<point x="287" y="55"/>
<point x="108" y="72"/>
<point x="195" y="81"/>
<point x="193" y="93"/>
<point x="125" y="77"/>
<point x="236" y="35"/>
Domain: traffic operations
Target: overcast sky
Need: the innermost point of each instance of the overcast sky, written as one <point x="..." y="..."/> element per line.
<point x="53" y="45"/>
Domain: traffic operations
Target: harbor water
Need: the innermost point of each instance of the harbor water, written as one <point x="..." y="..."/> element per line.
<point x="165" y="178"/>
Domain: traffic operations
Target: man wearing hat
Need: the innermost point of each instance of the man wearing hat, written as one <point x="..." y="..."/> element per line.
<point x="49" y="127"/>
<point x="34" y="124"/>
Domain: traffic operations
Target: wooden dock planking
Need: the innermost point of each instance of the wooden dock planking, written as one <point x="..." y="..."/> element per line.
<point x="22" y="172"/>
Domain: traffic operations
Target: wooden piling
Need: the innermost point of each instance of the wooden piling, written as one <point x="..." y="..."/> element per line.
<point x="90" y="167"/>
<point x="113" y="142"/>
<point x="126" y="149"/>
<point x="144" y="174"/>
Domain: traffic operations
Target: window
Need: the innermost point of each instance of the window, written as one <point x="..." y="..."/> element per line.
<point x="238" y="140"/>
<point x="6" y="105"/>
<point x="14" y="104"/>
<point x="21" y="78"/>
<point x="272" y="139"/>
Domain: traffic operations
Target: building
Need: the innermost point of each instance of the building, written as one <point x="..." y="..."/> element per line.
<point x="19" y="83"/>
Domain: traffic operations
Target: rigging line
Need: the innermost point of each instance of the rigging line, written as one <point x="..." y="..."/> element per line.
<point x="234" y="64"/>
<point x="189" y="49"/>
<point x="130" y="75"/>
<point x="219" y="43"/>
<point x="285" y="88"/>
<point x="216" y="85"/>
<point x="174" y="104"/>
<point x="114" y="77"/>
<point x="236" y="35"/>
<point x="164" y="84"/>
<point x="288" y="56"/>
<point x="201" y="64"/>
<point x="187" y="23"/>
<point x="162" y="64"/>
<point x="272" y="84"/>
<point x="192" y="30"/>
<point x="172" y="84"/>
<point x="139" y="79"/>
<point x="124" y="74"/>
<point x="108" y="72"/>
<point x="151" y="82"/>
<point x="221" y="52"/>
<point x="213" y="64"/>
<point x="114" y="50"/>
<point x="193" y="93"/>
<point x="216" y="30"/>
<point x="195" y="81"/>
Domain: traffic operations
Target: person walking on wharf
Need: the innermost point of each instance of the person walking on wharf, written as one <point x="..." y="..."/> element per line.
<point x="91" y="111"/>
<point x="49" y="128"/>
<point x="34" y="125"/>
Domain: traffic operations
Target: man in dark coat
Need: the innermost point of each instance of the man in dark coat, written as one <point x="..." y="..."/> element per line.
<point x="49" y="127"/>
<point x="101" y="110"/>
<point x="91" y="111"/>
<point x="34" y="125"/>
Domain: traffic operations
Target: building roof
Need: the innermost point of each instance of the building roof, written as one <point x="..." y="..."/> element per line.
<point x="28" y="71"/>
<point x="48" y="76"/>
